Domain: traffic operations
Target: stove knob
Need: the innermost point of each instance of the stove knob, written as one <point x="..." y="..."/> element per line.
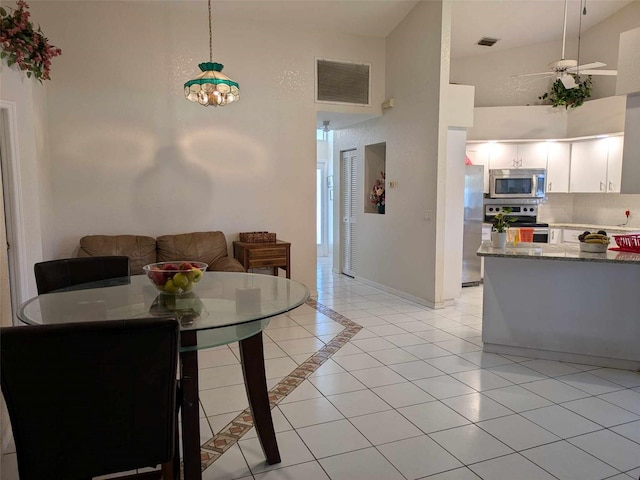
<point x="491" y="209"/>
<point x="524" y="209"/>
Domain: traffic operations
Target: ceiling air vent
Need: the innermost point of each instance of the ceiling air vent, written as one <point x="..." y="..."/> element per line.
<point x="342" y="82"/>
<point x="487" y="41"/>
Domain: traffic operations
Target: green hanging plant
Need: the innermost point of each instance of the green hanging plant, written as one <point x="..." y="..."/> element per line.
<point x="569" y="97"/>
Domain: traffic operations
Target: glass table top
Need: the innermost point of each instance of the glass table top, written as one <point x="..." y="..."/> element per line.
<point x="221" y="300"/>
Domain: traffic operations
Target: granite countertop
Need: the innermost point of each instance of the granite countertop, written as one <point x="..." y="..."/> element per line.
<point x="550" y="251"/>
<point x="587" y="226"/>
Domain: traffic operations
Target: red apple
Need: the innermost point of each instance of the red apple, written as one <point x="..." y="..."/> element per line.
<point x="169" y="266"/>
<point x="185" y="266"/>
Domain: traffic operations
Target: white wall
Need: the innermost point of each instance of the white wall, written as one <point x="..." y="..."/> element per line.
<point x="492" y="73"/>
<point x="454" y="225"/>
<point x="398" y="250"/>
<point x="130" y="155"/>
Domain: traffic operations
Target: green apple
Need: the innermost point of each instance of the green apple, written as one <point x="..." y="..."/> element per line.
<point x="180" y="280"/>
<point x="188" y="287"/>
<point x="169" y="287"/>
<point x="195" y="275"/>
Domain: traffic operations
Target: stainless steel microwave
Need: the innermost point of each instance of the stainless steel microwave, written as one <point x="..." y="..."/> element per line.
<point x="517" y="183"/>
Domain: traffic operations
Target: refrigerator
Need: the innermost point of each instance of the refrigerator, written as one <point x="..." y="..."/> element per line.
<point x="473" y="218"/>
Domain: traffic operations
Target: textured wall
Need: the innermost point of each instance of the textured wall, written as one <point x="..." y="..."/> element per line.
<point x="130" y="155"/>
<point x="492" y="73"/>
<point x="398" y="249"/>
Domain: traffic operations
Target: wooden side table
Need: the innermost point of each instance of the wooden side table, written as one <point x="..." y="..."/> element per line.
<point x="264" y="255"/>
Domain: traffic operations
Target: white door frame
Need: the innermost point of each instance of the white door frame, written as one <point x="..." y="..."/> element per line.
<point x="11" y="190"/>
<point x="323" y="247"/>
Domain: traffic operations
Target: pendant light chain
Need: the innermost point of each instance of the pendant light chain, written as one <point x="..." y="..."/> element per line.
<point x="210" y="35"/>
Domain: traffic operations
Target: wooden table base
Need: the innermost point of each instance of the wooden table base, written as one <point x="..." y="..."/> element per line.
<point x="252" y="358"/>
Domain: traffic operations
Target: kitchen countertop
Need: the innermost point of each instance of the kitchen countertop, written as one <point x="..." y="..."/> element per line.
<point x="564" y="252"/>
<point x="587" y="226"/>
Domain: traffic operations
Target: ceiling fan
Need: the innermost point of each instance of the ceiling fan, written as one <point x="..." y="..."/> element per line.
<point x="566" y="70"/>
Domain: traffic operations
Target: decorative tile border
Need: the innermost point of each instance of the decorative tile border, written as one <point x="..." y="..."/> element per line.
<point x="239" y="426"/>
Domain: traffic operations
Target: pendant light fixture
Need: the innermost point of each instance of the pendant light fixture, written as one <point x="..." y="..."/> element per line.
<point x="212" y="87"/>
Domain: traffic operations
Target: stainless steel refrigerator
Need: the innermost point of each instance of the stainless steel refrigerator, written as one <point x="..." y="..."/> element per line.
<point x="473" y="218"/>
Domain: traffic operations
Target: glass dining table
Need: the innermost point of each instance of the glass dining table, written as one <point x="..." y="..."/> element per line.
<point x="225" y="307"/>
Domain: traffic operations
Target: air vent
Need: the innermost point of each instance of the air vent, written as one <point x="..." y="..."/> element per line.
<point x="342" y="82"/>
<point x="487" y="41"/>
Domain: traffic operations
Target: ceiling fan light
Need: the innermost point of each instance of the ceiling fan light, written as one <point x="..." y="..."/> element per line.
<point x="568" y="81"/>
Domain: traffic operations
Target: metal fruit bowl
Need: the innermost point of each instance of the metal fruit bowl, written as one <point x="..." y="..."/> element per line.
<point x="593" y="247"/>
<point x="175" y="278"/>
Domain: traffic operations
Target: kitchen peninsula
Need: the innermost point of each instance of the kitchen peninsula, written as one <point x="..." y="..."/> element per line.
<point x="558" y="303"/>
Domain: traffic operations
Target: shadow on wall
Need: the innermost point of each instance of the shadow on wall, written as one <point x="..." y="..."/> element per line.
<point x="171" y="189"/>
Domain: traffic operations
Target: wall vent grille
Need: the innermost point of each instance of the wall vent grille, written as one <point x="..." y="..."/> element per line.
<point x="342" y="82"/>
<point x="487" y="41"/>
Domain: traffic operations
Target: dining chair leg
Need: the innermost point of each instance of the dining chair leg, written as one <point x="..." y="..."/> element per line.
<point x="252" y="356"/>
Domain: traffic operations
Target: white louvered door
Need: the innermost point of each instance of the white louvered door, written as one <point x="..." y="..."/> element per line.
<point x="349" y="162"/>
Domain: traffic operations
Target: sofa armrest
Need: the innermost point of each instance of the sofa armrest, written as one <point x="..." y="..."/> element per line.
<point x="226" y="264"/>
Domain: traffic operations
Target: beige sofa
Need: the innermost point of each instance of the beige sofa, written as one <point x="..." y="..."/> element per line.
<point x="208" y="247"/>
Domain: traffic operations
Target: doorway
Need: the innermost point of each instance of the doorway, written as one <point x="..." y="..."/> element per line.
<point x="11" y="243"/>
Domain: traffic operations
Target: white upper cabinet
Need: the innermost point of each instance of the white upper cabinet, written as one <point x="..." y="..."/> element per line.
<point x="503" y="155"/>
<point x="614" y="164"/>
<point x="520" y="155"/>
<point x="532" y="155"/>
<point x="596" y="165"/>
<point x="589" y="166"/>
<point x="558" y="162"/>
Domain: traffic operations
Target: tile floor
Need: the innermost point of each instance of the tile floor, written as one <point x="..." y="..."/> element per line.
<point x="413" y="396"/>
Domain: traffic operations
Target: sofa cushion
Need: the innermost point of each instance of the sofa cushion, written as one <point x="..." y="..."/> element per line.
<point x="141" y="250"/>
<point x="198" y="246"/>
<point x="226" y="264"/>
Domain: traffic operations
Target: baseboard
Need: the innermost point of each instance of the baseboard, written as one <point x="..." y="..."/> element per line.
<point x="563" y="356"/>
<point x="406" y="296"/>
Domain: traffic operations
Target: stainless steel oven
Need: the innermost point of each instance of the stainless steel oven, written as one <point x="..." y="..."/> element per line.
<point x="524" y="216"/>
<point x="517" y="183"/>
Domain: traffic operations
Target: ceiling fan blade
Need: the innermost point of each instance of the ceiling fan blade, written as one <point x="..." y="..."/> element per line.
<point x="586" y="66"/>
<point x="533" y="74"/>
<point x="599" y="72"/>
<point x="568" y="81"/>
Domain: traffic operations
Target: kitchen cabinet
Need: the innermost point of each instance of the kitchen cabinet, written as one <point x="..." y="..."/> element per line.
<point x="614" y="164"/>
<point x="558" y="164"/>
<point x="518" y="155"/>
<point x="555" y="235"/>
<point x="596" y="165"/>
<point x="570" y="235"/>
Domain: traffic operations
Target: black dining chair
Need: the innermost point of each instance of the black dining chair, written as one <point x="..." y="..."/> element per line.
<point x="92" y="398"/>
<point x="66" y="272"/>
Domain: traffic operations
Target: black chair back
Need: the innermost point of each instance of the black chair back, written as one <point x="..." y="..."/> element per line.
<point x="93" y="398"/>
<point x="57" y="274"/>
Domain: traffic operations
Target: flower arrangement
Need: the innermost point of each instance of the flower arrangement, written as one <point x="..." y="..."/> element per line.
<point x="23" y="45"/>
<point x="377" y="191"/>
<point x="569" y="97"/>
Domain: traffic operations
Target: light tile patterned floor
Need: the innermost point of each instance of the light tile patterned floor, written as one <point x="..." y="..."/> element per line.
<point x="370" y="386"/>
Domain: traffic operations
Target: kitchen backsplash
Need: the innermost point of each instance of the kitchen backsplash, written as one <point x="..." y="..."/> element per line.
<point x="591" y="208"/>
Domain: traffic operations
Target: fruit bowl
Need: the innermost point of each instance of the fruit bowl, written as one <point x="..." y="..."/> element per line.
<point x="593" y="247"/>
<point x="175" y="278"/>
